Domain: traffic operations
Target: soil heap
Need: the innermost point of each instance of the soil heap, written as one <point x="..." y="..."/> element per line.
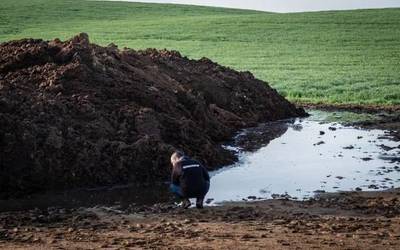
<point x="77" y="114"/>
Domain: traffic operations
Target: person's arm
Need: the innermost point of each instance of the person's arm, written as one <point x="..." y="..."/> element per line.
<point x="175" y="176"/>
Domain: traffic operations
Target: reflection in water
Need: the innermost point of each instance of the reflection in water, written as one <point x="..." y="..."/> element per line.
<point x="255" y="138"/>
<point x="123" y="196"/>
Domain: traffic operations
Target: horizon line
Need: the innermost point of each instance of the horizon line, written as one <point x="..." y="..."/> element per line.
<point x="248" y="9"/>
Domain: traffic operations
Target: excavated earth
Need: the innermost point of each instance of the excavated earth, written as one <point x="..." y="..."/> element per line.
<point x="77" y="114"/>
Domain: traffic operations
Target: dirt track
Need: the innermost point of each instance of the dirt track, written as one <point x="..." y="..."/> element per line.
<point x="364" y="220"/>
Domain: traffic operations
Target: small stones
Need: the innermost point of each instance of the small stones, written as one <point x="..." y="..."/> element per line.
<point x="366" y="158"/>
<point x="319" y="143"/>
<point x="209" y="200"/>
<point x="188" y="221"/>
<point x="373" y="186"/>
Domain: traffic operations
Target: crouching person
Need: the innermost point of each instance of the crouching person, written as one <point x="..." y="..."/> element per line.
<point x="189" y="179"/>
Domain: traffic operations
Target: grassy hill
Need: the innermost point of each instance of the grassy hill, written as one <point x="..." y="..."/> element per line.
<point x="333" y="57"/>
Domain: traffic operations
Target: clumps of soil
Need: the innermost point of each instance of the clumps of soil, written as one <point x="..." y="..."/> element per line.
<point x="351" y="220"/>
<point x="77" y="114"/>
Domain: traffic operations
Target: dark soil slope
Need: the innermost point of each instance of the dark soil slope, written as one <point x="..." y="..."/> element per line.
<point x="77" y="114"/>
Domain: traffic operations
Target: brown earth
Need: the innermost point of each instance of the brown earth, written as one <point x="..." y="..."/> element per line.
<point x="76" y="114"/>
<point x="353" y="220"/>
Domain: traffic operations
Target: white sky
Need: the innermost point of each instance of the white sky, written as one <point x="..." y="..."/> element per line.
<point x="286" y="5"/>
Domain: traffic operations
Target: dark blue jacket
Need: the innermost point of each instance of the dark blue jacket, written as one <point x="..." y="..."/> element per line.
<point x="193" y="179"/>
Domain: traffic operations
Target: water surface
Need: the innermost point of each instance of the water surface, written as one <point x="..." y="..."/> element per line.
<point x="311" y="156"/>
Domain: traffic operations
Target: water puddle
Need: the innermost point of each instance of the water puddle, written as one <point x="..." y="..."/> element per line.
<point x="294" y="159"/>
<point x="123" y="197"/>
<point x="311" y="155"/>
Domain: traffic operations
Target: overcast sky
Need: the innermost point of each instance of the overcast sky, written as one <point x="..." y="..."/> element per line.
<point x="287" y="5"/>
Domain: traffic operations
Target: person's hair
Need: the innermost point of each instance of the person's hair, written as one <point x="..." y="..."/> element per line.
<point x="176" y="156"/>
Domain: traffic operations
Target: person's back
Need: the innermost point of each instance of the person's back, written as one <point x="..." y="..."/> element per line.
<point x="189" y="179"/>
<point x="193" y="179"/>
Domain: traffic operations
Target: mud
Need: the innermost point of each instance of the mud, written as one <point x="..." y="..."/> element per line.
<point x="354" y="220"/>
<point x="76" y="114"/>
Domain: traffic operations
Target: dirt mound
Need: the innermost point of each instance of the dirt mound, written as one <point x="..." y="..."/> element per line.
<point x="77" y="114"/>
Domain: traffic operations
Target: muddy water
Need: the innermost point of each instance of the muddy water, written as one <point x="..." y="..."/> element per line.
<point x="121" y="197"/>
<point x="311" y="156"/>
<point x="295" y="158"/>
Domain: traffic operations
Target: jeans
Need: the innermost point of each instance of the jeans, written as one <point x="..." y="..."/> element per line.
<point x="177" y="190"/>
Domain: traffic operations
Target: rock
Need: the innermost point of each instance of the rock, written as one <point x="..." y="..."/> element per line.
<point x="366" y="158"/>
<point x="247" y="236"/>
<point x="187" y="221"/>
<point x="209" y="200"/>
<point x="77" y="114"/>
<point x="319" y="143"/>
<point x="372" y="186"/>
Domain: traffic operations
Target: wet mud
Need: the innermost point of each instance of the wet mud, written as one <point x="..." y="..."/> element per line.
<point x="353" y="220"/>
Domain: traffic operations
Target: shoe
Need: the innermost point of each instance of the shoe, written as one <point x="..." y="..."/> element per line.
<point x="186" y="204"/>
<point x="199" y="202"/>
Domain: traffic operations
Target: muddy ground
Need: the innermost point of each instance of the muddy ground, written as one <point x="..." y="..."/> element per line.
<point x="345" y="220"/>
<point x="357" y="220"/>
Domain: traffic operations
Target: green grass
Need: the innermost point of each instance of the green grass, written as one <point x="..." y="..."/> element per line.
<point x="331" y="57"/>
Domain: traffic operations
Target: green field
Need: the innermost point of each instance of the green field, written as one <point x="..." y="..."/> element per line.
<point x="332" y="57"/>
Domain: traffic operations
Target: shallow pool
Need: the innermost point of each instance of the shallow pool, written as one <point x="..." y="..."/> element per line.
<point x="309" y="156"/>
